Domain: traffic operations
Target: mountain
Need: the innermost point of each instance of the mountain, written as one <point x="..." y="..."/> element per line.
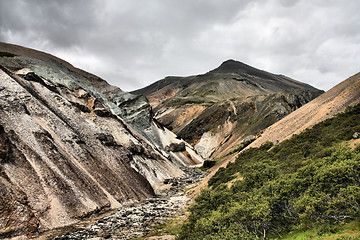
<point x="334" y="101"/>
<point x="231" y="78"/>
<point x="308" y="182"/>
<point x="327" y="105"/>
<point x="218" y="110"/>
<point x="72" y="145"/>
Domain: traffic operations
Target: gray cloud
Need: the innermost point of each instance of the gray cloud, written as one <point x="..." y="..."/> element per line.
<point x="134" y="43"/>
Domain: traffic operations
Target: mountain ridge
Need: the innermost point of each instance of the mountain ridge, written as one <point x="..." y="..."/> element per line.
<point x="235" y="70"/>
<point x="332" y="102"/>
<point x="207" y="110"/>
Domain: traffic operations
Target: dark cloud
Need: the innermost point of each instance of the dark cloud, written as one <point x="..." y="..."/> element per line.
<point x="134" y="43"/>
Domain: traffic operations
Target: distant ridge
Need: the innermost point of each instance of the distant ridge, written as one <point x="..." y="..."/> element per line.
<point x="334" y="101"/>
<point x="229" y="70"/>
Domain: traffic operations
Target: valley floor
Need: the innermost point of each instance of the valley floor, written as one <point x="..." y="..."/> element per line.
<point x="137" y="220"/>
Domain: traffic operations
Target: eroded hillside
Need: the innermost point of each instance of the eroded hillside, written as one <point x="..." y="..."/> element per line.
<point x="72" y="145"/>
<point x="218" y="110"/>
<point x="334" y="101"/>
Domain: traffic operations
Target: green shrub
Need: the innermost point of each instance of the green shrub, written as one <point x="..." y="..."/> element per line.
<point x="311" y="180"/>
<point x="208" y="164"/>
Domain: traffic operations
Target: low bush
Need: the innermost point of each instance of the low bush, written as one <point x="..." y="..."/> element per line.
<point x="311" y="180"/>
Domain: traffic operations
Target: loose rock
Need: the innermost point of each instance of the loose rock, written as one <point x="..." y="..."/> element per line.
<point x="136" y="220"/>
<point x="356" y="135"/>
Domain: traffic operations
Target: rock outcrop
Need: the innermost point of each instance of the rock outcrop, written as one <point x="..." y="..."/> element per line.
<point x="72" y="145"/>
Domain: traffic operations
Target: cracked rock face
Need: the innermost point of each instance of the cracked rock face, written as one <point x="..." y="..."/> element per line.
<point x="68" y="149"/>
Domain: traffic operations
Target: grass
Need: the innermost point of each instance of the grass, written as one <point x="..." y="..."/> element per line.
<point x="170" y="227"/>
<point x="179" y="102"/>
<point x="204" y="93"/>
<point x="350" y="231"/>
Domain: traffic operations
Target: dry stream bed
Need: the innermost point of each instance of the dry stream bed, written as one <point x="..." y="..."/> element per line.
<point x="135" y="220"/>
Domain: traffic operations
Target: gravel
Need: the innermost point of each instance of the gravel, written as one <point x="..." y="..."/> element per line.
<point x="136" y="220"/>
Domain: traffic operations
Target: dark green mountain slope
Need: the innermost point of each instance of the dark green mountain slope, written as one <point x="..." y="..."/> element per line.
<point x="311" y="180"/>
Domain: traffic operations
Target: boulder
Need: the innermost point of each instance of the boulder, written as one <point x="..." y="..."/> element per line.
<point x="175" y="147"/>
<point x="356" y="135"/>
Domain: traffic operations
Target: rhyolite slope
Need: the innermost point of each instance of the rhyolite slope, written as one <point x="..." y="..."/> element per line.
<point x="218" y="110"/>
<point x="334" y="101"/>
<point x="73" y="145"/>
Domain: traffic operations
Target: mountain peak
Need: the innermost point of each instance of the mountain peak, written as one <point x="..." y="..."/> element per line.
<point x="233" y="66"/>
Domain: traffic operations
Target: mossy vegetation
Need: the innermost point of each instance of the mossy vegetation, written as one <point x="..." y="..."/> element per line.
<point x="176" y="102"/>
<point x="205" y="92"/>
<point x="306" y="185"/>
<point x="170" y="227"/>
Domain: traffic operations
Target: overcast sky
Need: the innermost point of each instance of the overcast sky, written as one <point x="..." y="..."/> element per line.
<point x="132" y="43"/>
